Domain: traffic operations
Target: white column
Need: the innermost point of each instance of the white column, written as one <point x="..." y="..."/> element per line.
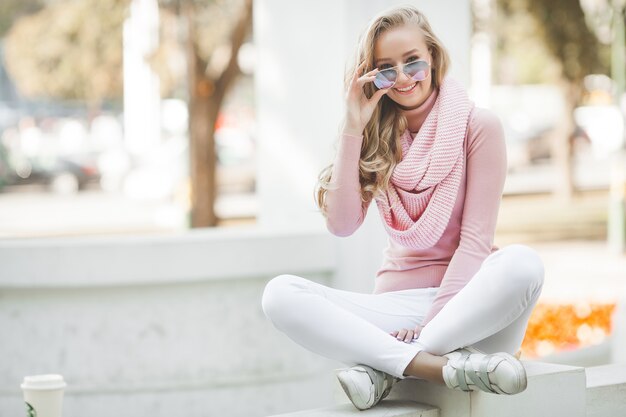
<point x="480" y="71"/>
<point x="142" y="98"/>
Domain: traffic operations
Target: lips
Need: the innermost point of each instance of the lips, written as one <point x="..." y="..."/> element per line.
<point x="399" y="90"/>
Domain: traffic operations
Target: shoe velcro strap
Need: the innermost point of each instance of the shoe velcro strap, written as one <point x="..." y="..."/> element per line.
<point x="480" y="377"/>
<point x="460" y="371"/>
<point x="378" y="382"/>
<point x="389" y="379"/>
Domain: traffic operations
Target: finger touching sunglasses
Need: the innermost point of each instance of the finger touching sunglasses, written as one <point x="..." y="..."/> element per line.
<point x="417" y="70"/>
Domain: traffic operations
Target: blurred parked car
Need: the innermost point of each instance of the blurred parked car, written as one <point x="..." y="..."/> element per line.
<point x="527" y="126"/>
<point x="603" y="126"/>
<point x="59" y="174"/>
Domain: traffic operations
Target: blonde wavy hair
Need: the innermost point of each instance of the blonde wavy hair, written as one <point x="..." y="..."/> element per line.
<point x="380" y="151"/>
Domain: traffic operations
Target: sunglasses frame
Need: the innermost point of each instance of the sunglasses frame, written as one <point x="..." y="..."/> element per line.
<point x="405" y="73"/>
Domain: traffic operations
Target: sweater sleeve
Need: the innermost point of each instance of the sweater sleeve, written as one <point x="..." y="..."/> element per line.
<point x="486" y="174"/>
<point x="345" y="210"/>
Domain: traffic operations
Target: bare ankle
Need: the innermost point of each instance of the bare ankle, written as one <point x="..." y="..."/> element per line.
<point x="426" y="366"/>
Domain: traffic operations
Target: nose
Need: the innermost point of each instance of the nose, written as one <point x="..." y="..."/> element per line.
<point x="403" y="79"/>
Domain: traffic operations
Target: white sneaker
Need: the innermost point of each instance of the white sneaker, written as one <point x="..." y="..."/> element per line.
<point x="469" y="369"/>
<point x="364" y="385"/>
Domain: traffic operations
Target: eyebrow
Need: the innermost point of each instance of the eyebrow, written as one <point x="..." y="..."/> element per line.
<point x="405" y="54"/>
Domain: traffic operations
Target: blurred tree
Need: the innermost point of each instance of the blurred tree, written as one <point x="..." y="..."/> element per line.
<point x="74" y="51"/>
<point x="11" y="10"/>
<point x="215" y="32"/>
<point x="515" y="33"/>
<point x="563" y="29"/>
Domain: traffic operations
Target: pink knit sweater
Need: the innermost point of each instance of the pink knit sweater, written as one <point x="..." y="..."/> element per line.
<point x="468" y="237"/>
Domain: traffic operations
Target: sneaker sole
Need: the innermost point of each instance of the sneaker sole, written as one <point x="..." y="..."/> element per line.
<point x="350" y="389"/>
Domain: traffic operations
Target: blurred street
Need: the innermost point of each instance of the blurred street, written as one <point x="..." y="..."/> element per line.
<point x="589" y="173"/>
<point x="29" y="213"/>
<point x="523" y="217"/>
<point x="528" y="211"/>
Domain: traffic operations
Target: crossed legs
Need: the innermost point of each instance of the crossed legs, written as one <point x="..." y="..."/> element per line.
<point x="491" y="313"/>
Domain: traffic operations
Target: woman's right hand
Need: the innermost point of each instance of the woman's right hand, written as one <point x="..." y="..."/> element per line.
<point x="407" y="335"/>
<point x="359" y="108"/>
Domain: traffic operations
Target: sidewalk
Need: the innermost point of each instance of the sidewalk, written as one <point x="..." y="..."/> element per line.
<point x="542" y="217"/>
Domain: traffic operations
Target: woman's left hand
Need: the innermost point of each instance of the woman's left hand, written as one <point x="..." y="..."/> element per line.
<point x="407" y="335"/>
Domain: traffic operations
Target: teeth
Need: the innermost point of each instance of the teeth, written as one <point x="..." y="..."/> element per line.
<point x="406" y="88"/>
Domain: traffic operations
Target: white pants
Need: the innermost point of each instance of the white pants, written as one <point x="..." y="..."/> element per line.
<point x="490" y="313"/>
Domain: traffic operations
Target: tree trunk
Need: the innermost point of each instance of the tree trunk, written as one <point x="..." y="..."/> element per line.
<point x="562" y="144"/>
<point x="205" y="100"/>
<point x="203" y="115"/>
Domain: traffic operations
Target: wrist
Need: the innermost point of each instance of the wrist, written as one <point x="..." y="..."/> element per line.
<point x="351" y="131"/>
<point x="352" y="126"/>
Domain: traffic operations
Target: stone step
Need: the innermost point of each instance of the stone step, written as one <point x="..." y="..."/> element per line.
<point x="387" y="408"/>
<point x="553" y="390"/>
<point x="606" y="390"/>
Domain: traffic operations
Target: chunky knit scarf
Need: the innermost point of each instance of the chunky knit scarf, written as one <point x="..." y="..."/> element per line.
<point x="424" y="184"/>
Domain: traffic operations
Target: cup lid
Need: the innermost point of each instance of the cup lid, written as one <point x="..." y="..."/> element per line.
<point x="43" y="382"/>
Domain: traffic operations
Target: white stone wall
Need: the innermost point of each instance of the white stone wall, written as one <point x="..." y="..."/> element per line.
<point x="159" y="325"/>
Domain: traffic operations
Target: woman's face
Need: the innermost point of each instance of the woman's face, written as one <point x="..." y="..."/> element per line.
<point x="398" y="46"/>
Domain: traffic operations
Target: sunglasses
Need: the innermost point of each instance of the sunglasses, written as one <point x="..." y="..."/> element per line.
<point x="415" y="70"/>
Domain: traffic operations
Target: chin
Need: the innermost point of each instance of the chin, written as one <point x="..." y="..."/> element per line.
<point x="412" y="101"/>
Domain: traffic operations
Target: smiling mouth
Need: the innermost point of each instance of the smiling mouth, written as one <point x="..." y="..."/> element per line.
<point x="406" y="89"/>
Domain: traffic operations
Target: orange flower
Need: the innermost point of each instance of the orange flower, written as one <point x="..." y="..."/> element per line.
<point x="559" y="327"/>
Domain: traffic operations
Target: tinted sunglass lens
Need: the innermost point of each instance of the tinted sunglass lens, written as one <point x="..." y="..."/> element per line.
<point x="417" y="70"/>
<point x="385" y="78"/>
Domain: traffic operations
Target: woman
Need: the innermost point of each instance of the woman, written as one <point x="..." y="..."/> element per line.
<point x="448" y="306"/>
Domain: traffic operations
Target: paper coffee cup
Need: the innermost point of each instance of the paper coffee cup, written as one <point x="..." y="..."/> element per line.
<point x="43" y="395"/>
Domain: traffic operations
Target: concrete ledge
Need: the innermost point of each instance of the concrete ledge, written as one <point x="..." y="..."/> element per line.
<point x="195" y="256"/>
<point x="386" y="408"/>
<point x="606" y="391"/>
<point x="553" y="390"/>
